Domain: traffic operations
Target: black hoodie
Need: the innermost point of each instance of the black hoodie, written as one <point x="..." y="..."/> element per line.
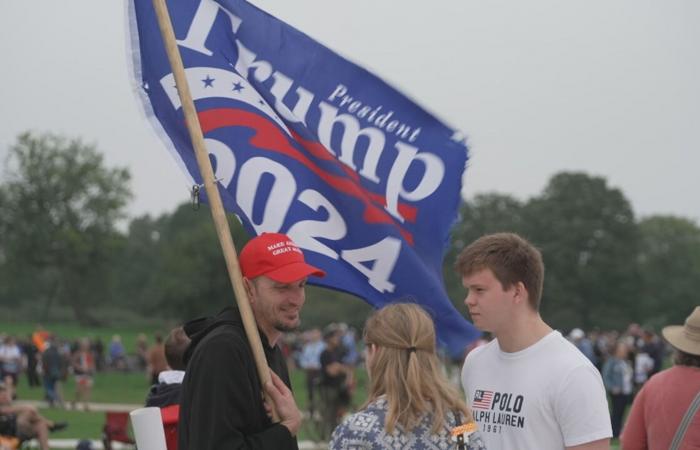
<point x="162" y="395"/>
<point x="221" y="404"/>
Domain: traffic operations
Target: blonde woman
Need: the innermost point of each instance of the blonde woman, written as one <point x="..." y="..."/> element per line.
<point x="410" y="403"/>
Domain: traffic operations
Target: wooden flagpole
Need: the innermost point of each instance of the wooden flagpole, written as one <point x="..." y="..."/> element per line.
<point x="210" y="184"/>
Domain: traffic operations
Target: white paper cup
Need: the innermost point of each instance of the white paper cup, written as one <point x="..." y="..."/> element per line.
<point x="148" y="428"/>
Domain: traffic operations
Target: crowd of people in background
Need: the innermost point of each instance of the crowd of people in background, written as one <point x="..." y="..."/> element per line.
<point x="625" y="359"/>
<point x="328" y="357"/>
<point x="47" y="361"/>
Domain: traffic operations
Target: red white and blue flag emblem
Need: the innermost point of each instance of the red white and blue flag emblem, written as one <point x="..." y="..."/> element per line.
<point x="482" y="399"/>
<point x="307" y="143"/>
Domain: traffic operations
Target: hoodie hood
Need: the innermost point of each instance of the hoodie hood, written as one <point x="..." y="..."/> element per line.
<point x="198" y="329"/>
<point x="162" y="395"/>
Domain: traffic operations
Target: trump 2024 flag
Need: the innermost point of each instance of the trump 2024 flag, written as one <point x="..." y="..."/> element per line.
<point x="307" y="143"/>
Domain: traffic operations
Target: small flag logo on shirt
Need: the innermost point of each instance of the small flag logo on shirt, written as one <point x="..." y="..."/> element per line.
<point x="482" y="399"/>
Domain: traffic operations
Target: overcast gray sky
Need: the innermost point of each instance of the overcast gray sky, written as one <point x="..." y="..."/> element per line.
<point x="610" y="87"/>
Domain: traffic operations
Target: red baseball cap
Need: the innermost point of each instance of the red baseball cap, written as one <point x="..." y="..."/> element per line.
<point x="277" y="257"/>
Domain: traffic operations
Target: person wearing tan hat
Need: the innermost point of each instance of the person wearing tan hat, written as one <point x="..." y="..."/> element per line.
<point x="221" y="405"/>
<point x="664" y="413"/>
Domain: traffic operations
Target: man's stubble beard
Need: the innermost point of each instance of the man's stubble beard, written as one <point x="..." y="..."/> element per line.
<point x="279" y="326"/>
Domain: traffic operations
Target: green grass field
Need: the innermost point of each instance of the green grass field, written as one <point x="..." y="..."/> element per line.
<point x="131" y="388"/>
<point x="110" y="387"/>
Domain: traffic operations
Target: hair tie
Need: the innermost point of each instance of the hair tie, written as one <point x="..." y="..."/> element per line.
<point x="411" y="350"/>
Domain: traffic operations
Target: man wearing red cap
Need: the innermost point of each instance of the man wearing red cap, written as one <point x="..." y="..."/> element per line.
<point x="221" y="405"/>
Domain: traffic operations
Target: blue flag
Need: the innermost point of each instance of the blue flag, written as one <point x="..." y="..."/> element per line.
<point x="307" y="143"/>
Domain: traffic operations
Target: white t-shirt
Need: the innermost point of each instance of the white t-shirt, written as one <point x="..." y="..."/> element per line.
<point x="10" y="358"/>
<point x="546" y="397"/>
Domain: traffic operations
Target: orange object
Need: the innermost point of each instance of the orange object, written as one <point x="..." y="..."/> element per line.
<point x="467" y="428"/>
<point x="9" y="442"/>
<point x="39" y="339"/>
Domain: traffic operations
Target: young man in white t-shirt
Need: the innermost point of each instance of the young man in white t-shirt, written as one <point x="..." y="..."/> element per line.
<point x="529" y="388"/>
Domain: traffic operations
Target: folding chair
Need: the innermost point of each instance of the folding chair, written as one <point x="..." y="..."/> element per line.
<point x="116" y="429"/>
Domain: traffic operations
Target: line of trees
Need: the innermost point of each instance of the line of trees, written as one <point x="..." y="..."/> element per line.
<point x="61" y="248"/>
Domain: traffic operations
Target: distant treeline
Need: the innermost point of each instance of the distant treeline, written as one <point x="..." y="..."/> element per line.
<point x="61" y="249"/>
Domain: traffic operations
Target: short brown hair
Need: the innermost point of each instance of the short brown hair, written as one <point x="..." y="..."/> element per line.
<point x="511" y="258"/>
<point x="175" y="346"/>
